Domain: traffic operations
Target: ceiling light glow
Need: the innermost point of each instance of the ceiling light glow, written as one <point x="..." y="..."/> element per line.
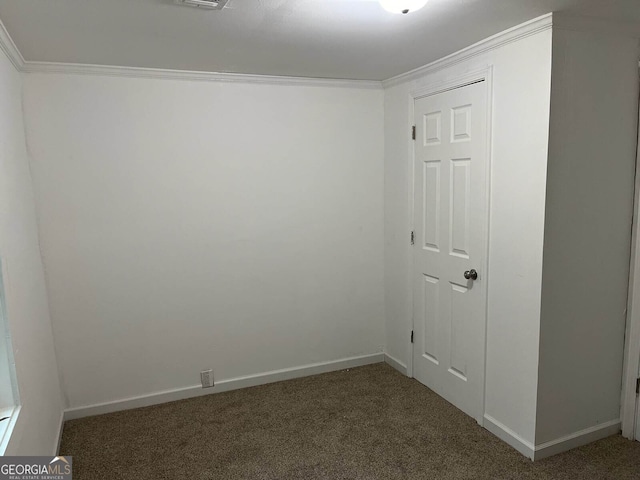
<point x="402" y="6"/>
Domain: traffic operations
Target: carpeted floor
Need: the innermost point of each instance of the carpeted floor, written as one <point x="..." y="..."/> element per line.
<point x="364" y="423"/>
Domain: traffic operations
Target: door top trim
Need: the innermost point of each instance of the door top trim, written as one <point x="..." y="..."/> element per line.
<point x="448" y="89"/>
<point x="459" y="82"/>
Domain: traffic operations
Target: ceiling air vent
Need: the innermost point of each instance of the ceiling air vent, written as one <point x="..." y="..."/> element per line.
<point x="209" y="4"/>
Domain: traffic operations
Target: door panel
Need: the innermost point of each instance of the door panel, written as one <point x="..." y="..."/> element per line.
<point x="459" y="211"/>
<point x="450" y="207"/>
<point x="431" y="228"/>
<point x="431" y="296"/>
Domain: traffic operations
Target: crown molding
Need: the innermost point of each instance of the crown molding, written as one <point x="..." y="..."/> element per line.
<point x="532" y="27"/>
<point x="8" y="46"/>
<point x="540" y="24"/>
<point x="158" y="73"/>
<point x="10" y="49"/>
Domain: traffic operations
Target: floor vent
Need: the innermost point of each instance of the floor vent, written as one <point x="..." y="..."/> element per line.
<point x="208" y="4"/>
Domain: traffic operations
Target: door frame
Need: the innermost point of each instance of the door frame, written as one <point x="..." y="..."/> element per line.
<point x="631" y="369"/>
<point x="484" y="75"/>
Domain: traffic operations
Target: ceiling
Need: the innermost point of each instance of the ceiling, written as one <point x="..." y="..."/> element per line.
<point x="350" y="39"/>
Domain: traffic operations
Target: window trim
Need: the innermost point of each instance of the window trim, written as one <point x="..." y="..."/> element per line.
<point x="13" y="411"/>
<point x="7" y="426"/>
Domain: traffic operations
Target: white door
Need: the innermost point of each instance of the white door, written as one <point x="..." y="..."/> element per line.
<point x="451" y="218"/>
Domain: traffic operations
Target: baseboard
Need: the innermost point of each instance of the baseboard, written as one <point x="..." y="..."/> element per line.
<point x="59" y="439"/>
<point x="222" y="386"/>
<point x="577" y="439"/>
<point x="508" y="436"/>
<point x="395" y="363"/>
<point x="553" y="447"/>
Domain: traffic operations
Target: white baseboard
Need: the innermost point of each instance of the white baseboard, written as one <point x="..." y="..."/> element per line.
<point x="59" y="439"/>
<point x="553" y="447"/>
<point x="395" y="363"/>
<point x="577" y="439"/>
<point x="221" y="386"/>
<point x="507" y="435"/>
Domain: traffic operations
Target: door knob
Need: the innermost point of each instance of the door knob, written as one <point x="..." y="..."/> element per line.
<point x="471" y="274"/>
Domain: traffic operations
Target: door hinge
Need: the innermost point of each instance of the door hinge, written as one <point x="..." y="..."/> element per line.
<point x="411" y="336"/>
<point x="413" y="238"/>
<point x="413" y="132"/>
<point x="637" y="386"/>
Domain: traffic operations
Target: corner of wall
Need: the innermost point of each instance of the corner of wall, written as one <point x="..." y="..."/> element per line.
<point x="41" y="402"/>
<point x="589" y="203"/>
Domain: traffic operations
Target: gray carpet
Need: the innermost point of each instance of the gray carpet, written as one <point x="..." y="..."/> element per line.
<point x="364" y="423"/>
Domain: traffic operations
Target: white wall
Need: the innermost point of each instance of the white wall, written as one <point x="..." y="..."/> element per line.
<point x="36" y="431"/>
<point x="592" y="153"/>
<point x="522" y="82"/>
<point x="190" y="225"/>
